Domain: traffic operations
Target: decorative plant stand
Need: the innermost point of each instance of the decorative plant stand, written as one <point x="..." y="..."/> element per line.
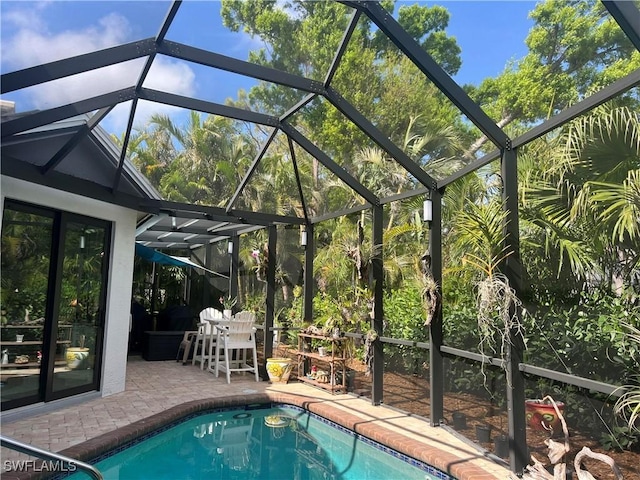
<point x="334" y="360"/>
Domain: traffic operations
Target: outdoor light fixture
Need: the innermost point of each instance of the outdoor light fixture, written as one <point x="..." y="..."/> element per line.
<point x="427" y="210"/>
<point x="82" y="241"/>
<point x="230" y="247"/>
<point x="303" y="238"/>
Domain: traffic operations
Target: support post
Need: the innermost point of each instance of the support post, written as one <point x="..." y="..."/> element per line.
<point x="206" y="290"/>
<point x="308" y="273"/>
<point x="436" y="359"/>
<point x="377" y="274"/>
<point x="512" y="269"/>
<point x="270" y="301"/>
<point x="233" y="266"/>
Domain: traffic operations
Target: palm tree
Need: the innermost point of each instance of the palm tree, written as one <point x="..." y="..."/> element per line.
<point x="211" y="158"/>
<point x="580" y="197"/>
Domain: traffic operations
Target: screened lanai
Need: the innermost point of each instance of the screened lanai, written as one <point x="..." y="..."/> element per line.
<point x="341" y="153"/>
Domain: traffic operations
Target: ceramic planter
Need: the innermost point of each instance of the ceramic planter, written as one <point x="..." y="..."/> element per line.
<point x="77" y="358"/>
<point x="541" y="414"/>
<point x="279" y="369"/>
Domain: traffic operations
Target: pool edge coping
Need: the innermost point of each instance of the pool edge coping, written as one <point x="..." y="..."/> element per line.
<point x="454" y="465"/>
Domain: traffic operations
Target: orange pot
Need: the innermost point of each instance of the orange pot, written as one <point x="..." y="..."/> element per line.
<point x="542" y="416"/>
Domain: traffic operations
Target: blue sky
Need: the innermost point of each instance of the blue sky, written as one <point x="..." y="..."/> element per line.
<point x="490" y="34"/>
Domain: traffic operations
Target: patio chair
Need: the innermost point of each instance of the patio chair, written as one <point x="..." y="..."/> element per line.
<point x="238" y="337"/>
<point x="235" y="441"/>
<point x="204" y="336"/>
<point x="185" y="346"/>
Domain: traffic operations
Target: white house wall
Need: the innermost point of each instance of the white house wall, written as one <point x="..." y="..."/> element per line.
<point x="119" y="287"/>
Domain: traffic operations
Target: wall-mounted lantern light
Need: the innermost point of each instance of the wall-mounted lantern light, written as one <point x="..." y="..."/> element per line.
<point x="303" y="238"/>
<point x="427" y="211"/>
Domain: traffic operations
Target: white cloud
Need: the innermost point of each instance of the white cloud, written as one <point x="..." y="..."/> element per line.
<point x="24" y="17"/>
<point x="165" y="76"/>
<point x="33" y="44"/>
<point x="243" y="43"/>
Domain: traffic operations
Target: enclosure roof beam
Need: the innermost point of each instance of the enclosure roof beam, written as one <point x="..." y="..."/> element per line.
<point x="342" y="47"/>
<point x="607" y="93"/>
<point x="341" y="213"/>
<point x="627" y="15"/>
<point x="251" y="170"/>
<point x="233" y="65"/>
<point x="323" y="158"/>
<point x="168" y="20"/>
<point x="47" y="72"/>
<point x="173" y="10"/>
<point x="412" y="49"/>
<point x="470" y="167"/>
<point x="75" y="140"/>
<point x="405" y="195"/>
<point x="378" y="137"/>
<point x="296" y="173"/>
<point x="189" y="210"/>
<point x="207" y="107"/>
<point x="298" y="106"/>
<point x="46" y="117"/>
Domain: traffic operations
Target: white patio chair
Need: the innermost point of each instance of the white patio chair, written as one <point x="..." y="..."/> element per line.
<point x="235" y="440"/>
<point x="237" y="337"/>
<point x="205" y="336"/>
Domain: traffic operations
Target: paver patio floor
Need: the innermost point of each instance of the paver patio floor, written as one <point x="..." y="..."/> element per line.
<point x="155" y="387"/>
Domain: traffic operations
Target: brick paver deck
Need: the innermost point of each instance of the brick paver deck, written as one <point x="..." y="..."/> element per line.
<point x="157" y="392"/>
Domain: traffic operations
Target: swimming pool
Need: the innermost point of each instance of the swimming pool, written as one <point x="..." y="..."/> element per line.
<point x="270" y="441"/>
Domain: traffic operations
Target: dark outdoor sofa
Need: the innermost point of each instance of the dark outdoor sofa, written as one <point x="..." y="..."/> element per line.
<point x="163" y="343"/>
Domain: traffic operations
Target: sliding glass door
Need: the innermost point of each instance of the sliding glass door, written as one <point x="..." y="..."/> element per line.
<point x="27" y="236"/>
<point x="54" y="277"/>
<point x="81" y="306"/>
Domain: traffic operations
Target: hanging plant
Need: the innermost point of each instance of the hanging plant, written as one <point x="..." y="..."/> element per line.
<point x="431" y="297"/>
<point x="498" y="306"/>
<point x="369" y="338"/>
<point x="498" y="318"/>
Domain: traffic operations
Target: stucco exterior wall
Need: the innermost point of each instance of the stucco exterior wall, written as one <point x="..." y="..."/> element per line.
<point x="119" y="287"/>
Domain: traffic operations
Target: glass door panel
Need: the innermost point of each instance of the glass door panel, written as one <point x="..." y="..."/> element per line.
<point x="26" y="258"/>
<point x="81" y="306"/>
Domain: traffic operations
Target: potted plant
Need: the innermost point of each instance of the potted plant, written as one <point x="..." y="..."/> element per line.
<point x="483" y="433"/>
<point x="228" y="303"/>
<point x="459" y="420"/>
<point x="279" y="369"/>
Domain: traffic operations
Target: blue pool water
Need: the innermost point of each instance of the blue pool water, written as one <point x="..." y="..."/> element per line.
<point x="281" y="443"/>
